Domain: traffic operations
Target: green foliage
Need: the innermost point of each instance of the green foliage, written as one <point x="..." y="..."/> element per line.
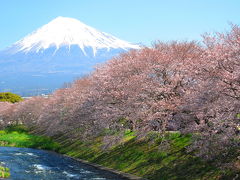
<point x="238" y="115"/>
<point x="18" y="136"/>
<point x="4" y="172"/>
<point x="10" y="97"/>
<point x="128" y="135"/>
<point x="128" y="132"/>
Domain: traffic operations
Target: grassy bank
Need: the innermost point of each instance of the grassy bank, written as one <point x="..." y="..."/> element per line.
<point x="18" y="136"/>
<point x="144" y="157"/>
<point x="140" y="156"/>
<point x="4" y="172"/>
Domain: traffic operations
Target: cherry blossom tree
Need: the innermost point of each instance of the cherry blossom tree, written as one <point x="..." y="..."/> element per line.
<point x="183" y="86"/>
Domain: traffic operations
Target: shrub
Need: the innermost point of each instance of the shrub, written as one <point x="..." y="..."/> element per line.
<point x="10" y="97"/>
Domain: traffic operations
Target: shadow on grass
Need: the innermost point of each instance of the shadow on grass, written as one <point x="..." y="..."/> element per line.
<point x="144" y="158"/>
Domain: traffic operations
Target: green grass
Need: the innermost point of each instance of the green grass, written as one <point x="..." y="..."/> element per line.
<point x="18" y="136"/>
<point x="4" y="172"/>
<point x="144" y="157"/>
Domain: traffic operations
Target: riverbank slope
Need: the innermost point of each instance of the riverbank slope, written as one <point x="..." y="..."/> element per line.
<point x="139" y="156"/>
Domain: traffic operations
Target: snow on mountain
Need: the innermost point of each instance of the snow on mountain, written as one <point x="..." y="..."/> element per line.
<point x="64" y="31"/>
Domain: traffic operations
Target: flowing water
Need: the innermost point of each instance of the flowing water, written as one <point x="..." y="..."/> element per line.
<point x="32" y="164"/>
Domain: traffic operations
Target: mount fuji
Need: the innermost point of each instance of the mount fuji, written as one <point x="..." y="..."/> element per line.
<point x="58" y="52"/>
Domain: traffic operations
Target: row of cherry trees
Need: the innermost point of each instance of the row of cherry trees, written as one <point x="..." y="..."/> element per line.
<point x="182" y="86"/>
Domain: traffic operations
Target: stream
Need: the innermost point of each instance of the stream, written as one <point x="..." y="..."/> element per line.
<point x="32" y="164"/>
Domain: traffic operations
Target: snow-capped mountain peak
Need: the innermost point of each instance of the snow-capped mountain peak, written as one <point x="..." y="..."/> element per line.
<point x="64" y="31"/>
<point x="58" y="52"/>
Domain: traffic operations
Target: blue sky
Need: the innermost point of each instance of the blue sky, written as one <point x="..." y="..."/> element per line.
<point x="138" y="21"/>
